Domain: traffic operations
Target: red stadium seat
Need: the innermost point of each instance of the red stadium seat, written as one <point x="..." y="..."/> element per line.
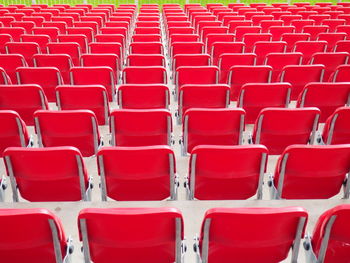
<point x="300" y="75"/>
<point x="102" y="60"/>
<point x="212" y="127"/>
<point x="24" y="99"/>
<point x="77" y="38"/>
<point x="84" y="97"/>
<point x="77" y="128"/>
<point x="195" y="75"/>
<point x="9" y="63"/>
<point x="4" y="38"/>
<point x="95" y="76"/>
<point x="146" y="60"/>
<point x="27" y="25"/>
<point x="332" y="39"/>
<point x="26" y="49"/>
<point x="277" y="128"/>
<point x="218" y="173"/>
<point x="143" y="96"/>
<point x="202" y="96"/>
<point x="279" y="60"/>
<point x="263" y="48"/>
<point x="336" y="129"/>
<point x="212" y="38"/>
<point x="4" y="78"/>
<point x="144" y="75"/>
<point x="31" y="236"/>
<point x="190" y="60"/>
<point x="342" y="46"/>
<point x="298" y="177"/>
<point x="330" y="236"/>
<point x="242" y="30"/>
<point x="157" y="231"/>
<point x="146" y="48"/>
<point x="146" y="38"/>
<point x="240" y="233"/>
<point x="47" y="174"/>
<point x="145" y="181"/>
<point x="240" y="75"/>
<point x="292" y="38"/>
<point x="48" y="78"/>
<point x="325" y="96"/>
<point x="331" y="60"/>
<point x="41" y="40"/>
<point x="251" y="38"/>
<point x="341" y="74"/>
<point x="315" y="30"/>
<point x="256" y="96"/>
<point x="186" y="48"/>
<point x="52" y="32"/>
<point x="72" y="49"/>
<point x="14" y="32"/>
<point x="220" y="48"/>
<point x="278" y="31"/>
<point x="131" y="127"/>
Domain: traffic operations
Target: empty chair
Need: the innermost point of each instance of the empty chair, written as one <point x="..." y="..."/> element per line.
<point x="228" y="60"/>
<point x="52" y="32"/>
<point x="190" y="60"/>
<point x="342" y="46"/>
<point x="132" y="127"/>
<point x="242" y="30"/>
<point x="314" y="31"/>
<point x="145" y="60"/>
<point x="235" y="231"/>
<point x="47" y="174"/>
<point x="292" y="38"/>
<point x="9" y="63"/>
<point x="61" y="61"/>
<point x="107" y="48"/>
<point x="77" y="38"/>
<point x="300" y="75"/>
<point x="341" y="74"/>
<point x="33" y="234"/>
<point x="4" y="38"/>
<point x="146" y="38"/>
<point x="330" y="237"/>
<point x="84" y="97"/>
<point x="77" y="128"/>
<point x="41" y="40"/>
<point x="146" y="48"/>
<point x="153" y="178"/>
<point x="256" y="96"/>
<point x="212" y="127"/>
<point x="299" y="24"/>
<point x="222" y="37"/>
<point x="183" y="38"/>
<point x="333" y="23"/>
<point x="95" y="76"/>
<point x="26" y="49"/>
<point x="24" y="99"/>
<point x="325" y="96"/>
<point x="250" y="40"/>
<point x="46" y="77"/>
<point x="220" y="48"/>
<point x="263" y="48"/>
<point x="332" y="39"/>
<point x="13" y="131"/>
<point x="72" y="49"/>
<point x="202" y="96"/>
<point x="143" y="96"/>
<point x="234" y="24"/>
<point x="240" y="75"/>
<point x="278" y="31"/>
<point x="336" y="129"/>
<point x="218" y="173"/>
<point x="330" y="60"/>
<point x="148" y="30"/>
<point x="14" y="32"/>
<point x="299" y="176"/>
<point x="4" y="78"/>
<point x="158" y="233"/>
<point x="279" y="60"/>
<point x="86" y="31"/>
<point x="144" y="75"/>
<point x="186" y="48"/>
<point x="102" y="60"/>
<point x="195" y="75"/>
<point x="277" y="128"/>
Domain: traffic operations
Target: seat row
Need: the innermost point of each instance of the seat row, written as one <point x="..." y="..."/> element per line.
<point x="215" y="173"/>
<point x="236" y="234"/>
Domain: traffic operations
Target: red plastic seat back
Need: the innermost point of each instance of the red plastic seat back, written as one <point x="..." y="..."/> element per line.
<point x="220" y="48"/>
<point x="47" y="174"/>
<point x="24" y="99"/>
<point x="240" y="75"/>
<point x="141" y="127"/>
<point x="341" y="74"/>
<point x="283" y="127"/>
<point x="10" y="62"/>
<point x="256" y="96"/>
<point x="70" y="48"/>
<point x="77" y="128"/>
<point x="13" y="130"/>
<point x="144" y="75"/>
<point x="196" y="75"/>
<point x="337" y="248"/>
<point x="325" y="96"/>
<point x="306" y="178"/>
<point x="94" y="76"/>
<point x="113" y="233"/>
<point x="26" y="49"/>
<point x="143" y="96"/>
<point x="339" y="134"/>
<point x="150" y="179"/>
<point x="28" y="237"/>
<point x="240" y="234"/>
<point x="226" y="172"/>
<point x="4" y="78"/>
<point x="91" y="97"/>
<point x="48" y="78"/>
<point x="213" y="127"/>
